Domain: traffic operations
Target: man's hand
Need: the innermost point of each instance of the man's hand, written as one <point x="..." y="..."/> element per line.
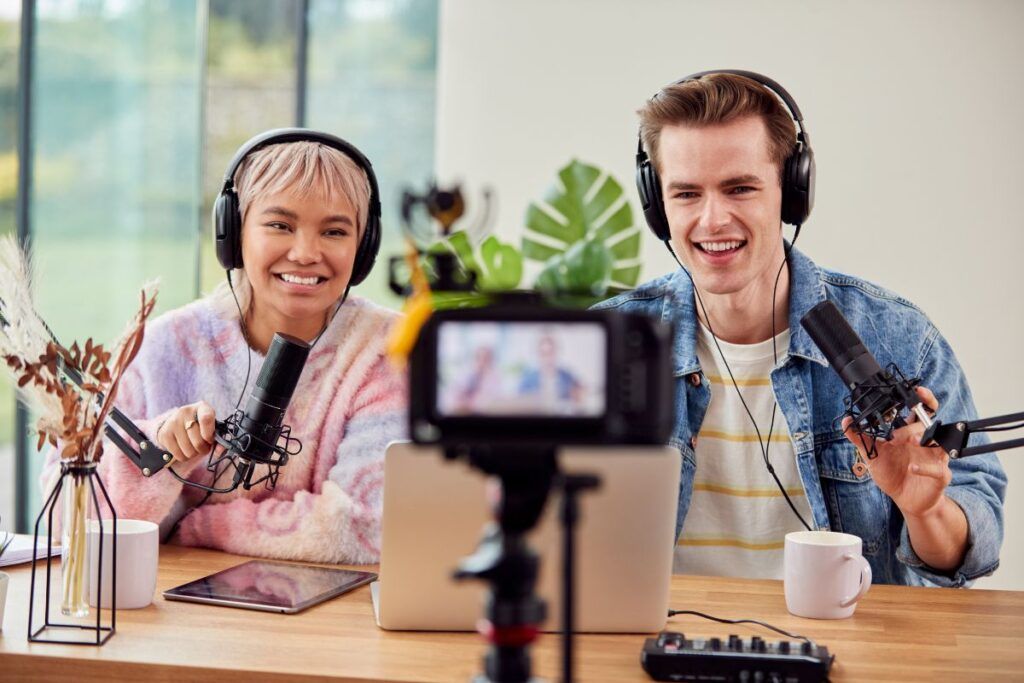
<point x="916" y="477"/>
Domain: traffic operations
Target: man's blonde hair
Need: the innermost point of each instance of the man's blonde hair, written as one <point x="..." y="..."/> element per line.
<point x="310" y="169"/>
<point x="716" y="99"/>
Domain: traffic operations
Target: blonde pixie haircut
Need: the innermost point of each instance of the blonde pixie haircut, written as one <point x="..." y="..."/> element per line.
<point x="309" y="169"/>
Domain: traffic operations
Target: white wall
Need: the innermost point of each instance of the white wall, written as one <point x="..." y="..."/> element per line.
<point x="915" y="110"/>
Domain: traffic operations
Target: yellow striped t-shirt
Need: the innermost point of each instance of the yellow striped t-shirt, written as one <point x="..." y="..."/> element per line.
<point x="737" y="519"/>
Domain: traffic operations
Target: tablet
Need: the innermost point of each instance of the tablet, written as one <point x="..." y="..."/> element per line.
<point x="270" y="586"/>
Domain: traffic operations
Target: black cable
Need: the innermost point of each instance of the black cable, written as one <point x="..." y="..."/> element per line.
<point x="775" y="357"/>
<point x="245" y="337"/>
<point x="735" y="384"/>
<point x="675" y="612"/>
<point x="210" y="490"/>
<point x="337" y="309"/>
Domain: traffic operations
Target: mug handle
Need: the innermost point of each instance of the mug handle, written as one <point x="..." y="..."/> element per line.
<point x="865" y="579"/>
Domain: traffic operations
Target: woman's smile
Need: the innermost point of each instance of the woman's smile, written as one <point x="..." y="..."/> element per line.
<point x="301" y="282"/>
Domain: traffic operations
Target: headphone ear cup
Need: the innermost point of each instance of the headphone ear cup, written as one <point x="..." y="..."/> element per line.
<point x="648" y="185"/>
<point x="227" y="230"/>
<point x="366" y="255"/>
<point x="798" y="186"/>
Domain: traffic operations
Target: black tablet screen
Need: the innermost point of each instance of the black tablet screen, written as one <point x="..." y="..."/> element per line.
<point x="271" y="584"/>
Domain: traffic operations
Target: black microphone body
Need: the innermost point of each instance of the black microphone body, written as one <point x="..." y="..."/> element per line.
<point x="253" y="434"/>
<point x="878" y="395"/>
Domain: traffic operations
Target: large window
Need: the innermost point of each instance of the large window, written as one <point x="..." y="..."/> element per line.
<point x="9" y="43"/>
<point x="116" y="139"/>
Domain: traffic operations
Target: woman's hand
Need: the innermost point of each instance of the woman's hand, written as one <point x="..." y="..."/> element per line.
<point x="188" y="432"/>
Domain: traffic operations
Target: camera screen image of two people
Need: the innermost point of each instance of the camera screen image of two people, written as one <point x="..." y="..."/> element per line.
<point x="502" y="368"/>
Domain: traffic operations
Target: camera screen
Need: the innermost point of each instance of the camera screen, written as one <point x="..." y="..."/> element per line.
<point x="527" y="369"/>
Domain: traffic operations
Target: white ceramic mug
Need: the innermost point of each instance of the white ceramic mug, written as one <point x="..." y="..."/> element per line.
<point x="138" y="549"/>
<point x="825" y="574"/>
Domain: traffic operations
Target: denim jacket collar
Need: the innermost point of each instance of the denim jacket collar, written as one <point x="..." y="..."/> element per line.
<point x="806" y="290"/>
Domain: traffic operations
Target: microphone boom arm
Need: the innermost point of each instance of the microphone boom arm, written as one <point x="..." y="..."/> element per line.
<point x="952" y="437"/>
<point x="148" y="457"/>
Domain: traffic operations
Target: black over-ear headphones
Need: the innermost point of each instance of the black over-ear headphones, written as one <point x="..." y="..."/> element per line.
<point x="227" y="219"/>
<point x="797" y="173"/>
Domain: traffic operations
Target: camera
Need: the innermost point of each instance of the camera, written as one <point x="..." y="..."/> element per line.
<point x="522" y="373"/>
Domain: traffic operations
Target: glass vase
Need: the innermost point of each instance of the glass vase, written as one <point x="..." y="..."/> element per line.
<point x="74" y="540"/>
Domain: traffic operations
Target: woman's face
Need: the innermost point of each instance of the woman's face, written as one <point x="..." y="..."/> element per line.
<point x="298" y="253"/>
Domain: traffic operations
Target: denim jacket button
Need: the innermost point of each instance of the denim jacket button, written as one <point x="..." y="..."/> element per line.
<point x="695" y="379"/>
<point x="693" y="442"/>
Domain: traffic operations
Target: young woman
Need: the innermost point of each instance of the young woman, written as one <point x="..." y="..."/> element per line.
<point x="307" y="214"/>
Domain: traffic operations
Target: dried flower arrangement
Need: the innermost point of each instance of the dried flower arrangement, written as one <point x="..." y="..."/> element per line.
<point x="71" y="418"/>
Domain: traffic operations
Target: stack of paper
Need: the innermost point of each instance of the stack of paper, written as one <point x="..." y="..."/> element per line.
<point x="20" y="550"/>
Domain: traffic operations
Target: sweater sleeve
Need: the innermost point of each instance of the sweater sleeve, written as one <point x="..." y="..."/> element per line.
<point x="340" y="523"/>
<point x="136" y="496"/>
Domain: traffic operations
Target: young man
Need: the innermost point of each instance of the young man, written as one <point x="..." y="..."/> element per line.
<point x="763" y="451"/>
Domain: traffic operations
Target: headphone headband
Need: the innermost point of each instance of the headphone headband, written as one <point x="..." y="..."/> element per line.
<point x="280" y="136"/>
<point x="797" y="173"/>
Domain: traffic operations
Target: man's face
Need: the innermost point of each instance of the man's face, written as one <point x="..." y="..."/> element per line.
<point x="723" y="201"/>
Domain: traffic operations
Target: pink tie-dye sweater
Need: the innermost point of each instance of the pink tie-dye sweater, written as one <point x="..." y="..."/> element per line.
<point x="348" y="405"/>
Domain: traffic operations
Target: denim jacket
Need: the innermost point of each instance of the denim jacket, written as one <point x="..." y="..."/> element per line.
<point x="810" y="396"/>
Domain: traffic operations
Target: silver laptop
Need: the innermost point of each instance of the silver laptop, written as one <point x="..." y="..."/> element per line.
<point x="435" y="511"/>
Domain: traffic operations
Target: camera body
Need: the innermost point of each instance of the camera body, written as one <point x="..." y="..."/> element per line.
<point x="521" y="373"/>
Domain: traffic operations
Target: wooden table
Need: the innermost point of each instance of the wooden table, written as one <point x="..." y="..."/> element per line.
<point x="897" y="634"/>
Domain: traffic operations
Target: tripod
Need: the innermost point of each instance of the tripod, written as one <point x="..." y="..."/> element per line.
<point x="513" y="613"/>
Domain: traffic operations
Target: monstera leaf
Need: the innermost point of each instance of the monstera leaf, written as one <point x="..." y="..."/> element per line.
<point x="585" y="268"/>
<point x="498" y="266"/>
<point x="583" y="232"/>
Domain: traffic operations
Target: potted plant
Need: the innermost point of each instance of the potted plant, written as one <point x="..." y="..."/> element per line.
<point x="581" y="235"/>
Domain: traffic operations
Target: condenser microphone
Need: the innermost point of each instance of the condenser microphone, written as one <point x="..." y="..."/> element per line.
<point x="252" y="435"/>
<point x="877" y="395"/>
